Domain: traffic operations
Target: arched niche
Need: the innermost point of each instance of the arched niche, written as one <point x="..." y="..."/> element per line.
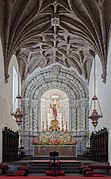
<point x="58" y="100"/>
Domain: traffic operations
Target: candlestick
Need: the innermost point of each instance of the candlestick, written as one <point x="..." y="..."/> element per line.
<point x="66" y="126"/>
<point x="42" y="126"/>
<point x="46" y="125"/>
<point x="62" y="126"/>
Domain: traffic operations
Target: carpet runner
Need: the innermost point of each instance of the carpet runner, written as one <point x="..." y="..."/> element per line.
<point x="49" y="177"/>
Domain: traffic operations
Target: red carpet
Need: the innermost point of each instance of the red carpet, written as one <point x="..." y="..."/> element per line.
<point x="60" y="161"/>
<point x="51" y="177"/>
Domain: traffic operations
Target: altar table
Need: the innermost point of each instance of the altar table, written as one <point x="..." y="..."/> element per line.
<point x="64" y="150"/>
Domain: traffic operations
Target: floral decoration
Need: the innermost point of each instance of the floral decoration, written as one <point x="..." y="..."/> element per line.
<point x="48" y="141"/>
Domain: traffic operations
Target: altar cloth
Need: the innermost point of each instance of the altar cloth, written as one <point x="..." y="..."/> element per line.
<point x="64" y="150"/>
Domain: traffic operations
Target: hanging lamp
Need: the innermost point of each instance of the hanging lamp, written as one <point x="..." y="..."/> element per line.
<point x="95" y="109"/>
<point x="18" y="114"/>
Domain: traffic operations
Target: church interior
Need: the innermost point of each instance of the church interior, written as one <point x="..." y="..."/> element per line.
<point x="55" y="84"/>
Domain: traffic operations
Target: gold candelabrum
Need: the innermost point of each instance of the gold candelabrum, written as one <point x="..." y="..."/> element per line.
<point x="54" y="126"/>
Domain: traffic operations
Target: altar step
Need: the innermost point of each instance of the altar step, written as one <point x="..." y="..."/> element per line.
<point x="60" y="158"/>
<point x="70" y="167"/>
<point x="30" y="157"/>
<point x="38" y="167"/>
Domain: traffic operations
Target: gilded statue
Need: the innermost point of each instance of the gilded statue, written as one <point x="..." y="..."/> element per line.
<point x="54" y="125"/>
<point x="54" y="110"/>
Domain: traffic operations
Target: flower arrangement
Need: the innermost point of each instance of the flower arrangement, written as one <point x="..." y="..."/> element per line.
<point x="48" y="141"/>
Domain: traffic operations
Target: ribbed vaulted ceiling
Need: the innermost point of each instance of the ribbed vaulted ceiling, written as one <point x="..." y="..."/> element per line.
<point x="42" y="32"/>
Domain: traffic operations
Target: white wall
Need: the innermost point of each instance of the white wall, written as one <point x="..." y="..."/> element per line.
<point x="5" y="99"/>
<point x="104" y="96"/>
<point x="2" y="99"/>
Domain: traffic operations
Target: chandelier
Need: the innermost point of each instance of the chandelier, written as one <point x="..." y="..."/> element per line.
<point x="95" y="109"/>
<point x="18" y="114"/>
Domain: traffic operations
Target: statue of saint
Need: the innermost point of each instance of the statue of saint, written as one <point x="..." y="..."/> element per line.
<point x="54" y="110"/>
<point x="54" y="123"/>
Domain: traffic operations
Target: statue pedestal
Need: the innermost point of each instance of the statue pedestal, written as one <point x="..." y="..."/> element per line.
<point x="64" y="150"/>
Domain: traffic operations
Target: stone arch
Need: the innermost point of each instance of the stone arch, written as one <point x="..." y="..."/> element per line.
<point x="59" y="78"/>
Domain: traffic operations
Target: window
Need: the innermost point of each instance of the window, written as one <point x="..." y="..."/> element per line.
<point x="15" y="88"/>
